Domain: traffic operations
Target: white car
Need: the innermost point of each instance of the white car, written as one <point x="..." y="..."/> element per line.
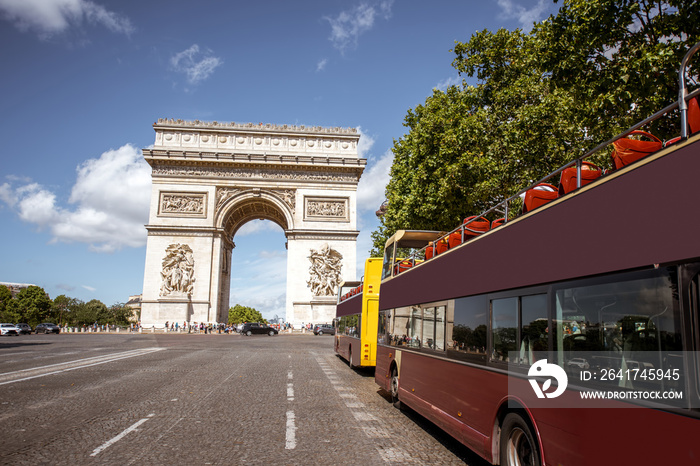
<point x="9" y="329"/>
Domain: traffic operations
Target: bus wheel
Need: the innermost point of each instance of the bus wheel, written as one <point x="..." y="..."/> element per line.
<point x="395" y="388"/>
<point x="350" y="359"/>
<point x="518" y="446"/>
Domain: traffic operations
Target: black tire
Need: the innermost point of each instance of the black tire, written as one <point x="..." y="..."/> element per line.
<point x="395" y="389"/>
<point x="271" y="333"/>
<point x="248" y="333"/>
<point x="517" y="444"/>
<point x="320" y="332"/>
<point x="350" y="359"/>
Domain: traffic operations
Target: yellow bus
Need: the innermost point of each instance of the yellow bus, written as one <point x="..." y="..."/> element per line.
<point x="356" y="317"/>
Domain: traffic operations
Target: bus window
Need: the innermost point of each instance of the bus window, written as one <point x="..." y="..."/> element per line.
<point x="440" y="328"/>
<point x="415" y="328"/>
<point x="632" y="322"/>
<point x="388" y="261"/>
<point x="467" y="323"/>
<point x="533" y="328"/>
<point x="383" y="337"/>
<point x="504" y="326"/>
<point x="349" y="325"/>
<point x="429" y="327"/>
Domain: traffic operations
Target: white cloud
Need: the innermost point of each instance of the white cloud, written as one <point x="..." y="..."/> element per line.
<point x="111" y="197"/>
<point x="372" y="186"/>
<point x="321" y="65"/>
<point x="525" y="16"/>
<point x="7" y="195"/>
<point x="347" y="27"/>
<point x="257" y="226"/>
<point x="89" y="288"/>
<point x="195" y="64"/>
<point x="445" y="83"/>
<point x="50" y="17"/>
<point x="370" y="190"/>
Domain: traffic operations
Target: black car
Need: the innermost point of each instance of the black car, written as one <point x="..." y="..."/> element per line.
<point x="324" y="328"/>
<point x="47" y="328"/>
<point x="256" y="328"/>
<point x="24" y="329"/>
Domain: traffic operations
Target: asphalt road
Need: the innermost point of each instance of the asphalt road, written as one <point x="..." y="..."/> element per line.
<point x="201" y="399"/>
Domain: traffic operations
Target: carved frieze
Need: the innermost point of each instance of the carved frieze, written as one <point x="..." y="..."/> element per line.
<point x="326" y="266"/>
<point x="288" y="196"/>
<point x="331" y="209"/>
<point x="177" y="274"/>
<point x="255" y="173"/>
<point x="179" y="204"/>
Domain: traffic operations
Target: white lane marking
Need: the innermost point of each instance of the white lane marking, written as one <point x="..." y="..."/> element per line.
<point x="290" y="376"/>
<point x="290" y="390"/>
<point x="73" y="365"/>
<point x="290" y="437"/>
<point x="114" y="440"/>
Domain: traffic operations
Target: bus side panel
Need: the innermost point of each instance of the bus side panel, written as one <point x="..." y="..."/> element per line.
<point x="460" y="399"/>
<point x="441" y="390"/>
<point x="382" y="374"/>
<point x="369" y="331"/>
<point x="347" y="344"/>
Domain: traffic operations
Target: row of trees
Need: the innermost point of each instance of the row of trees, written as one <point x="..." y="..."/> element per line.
<point x="542" y="99"/>
<point x="33" y="306"/>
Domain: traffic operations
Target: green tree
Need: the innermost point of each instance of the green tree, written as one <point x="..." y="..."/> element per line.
<point x="541" y="99"/>
<point x="239" y="314"/>
<point x="33" y="306"/>
<point x="8" y="306"/>
<point x="61" y="307"/>
<point x="120" y="314"/>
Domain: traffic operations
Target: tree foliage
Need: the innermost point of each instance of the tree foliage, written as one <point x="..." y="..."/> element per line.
<point x="541" y="100"/>
<point x="239" y="314"/>
<point x="33" y="306"/>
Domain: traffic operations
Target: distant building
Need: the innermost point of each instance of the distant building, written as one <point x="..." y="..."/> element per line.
<point x="134" y="303"/>
<point x="15" y="288"/>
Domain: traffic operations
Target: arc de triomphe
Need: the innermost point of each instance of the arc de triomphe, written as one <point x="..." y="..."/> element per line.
<point x="209" y="179"/>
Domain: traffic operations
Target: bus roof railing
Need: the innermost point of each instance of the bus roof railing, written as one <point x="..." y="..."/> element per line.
<point x="503" y="207"/>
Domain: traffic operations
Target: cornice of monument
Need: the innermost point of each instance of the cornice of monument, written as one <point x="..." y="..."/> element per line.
<point x="245" y="142"/>
<point x="163" y="156"/>
<point x="262" y="128"/>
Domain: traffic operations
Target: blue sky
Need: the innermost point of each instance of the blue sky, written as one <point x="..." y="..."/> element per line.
<point x="83" y="82"/>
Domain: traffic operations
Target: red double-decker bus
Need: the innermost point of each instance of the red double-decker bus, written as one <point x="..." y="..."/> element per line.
<point x="566" y="335"/>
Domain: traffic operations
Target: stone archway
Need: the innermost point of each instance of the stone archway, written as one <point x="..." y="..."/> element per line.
<point x="211" y="178"/>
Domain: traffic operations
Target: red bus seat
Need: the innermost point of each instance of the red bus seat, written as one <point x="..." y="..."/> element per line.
<point x="589" y="172"/>
<point x="694" y="115"/>
<point x="672" y="141"/>
<point x="539" y="196"/>
<point x="441" y="246"/>
<point x="475" y="228"/>
<point x="498" y="222"/>
<point x="629" y="150"/>
<point x="402" y="266"/>
<point x="429" y="251"/>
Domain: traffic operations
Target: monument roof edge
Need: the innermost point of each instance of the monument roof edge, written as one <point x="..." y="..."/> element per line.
<point x="268" y="128"/>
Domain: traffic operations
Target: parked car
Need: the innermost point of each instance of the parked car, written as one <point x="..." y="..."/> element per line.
<point x="256" y="328"/>
<point x="47" y="328"/>
<point x="24" y="329"/>
<point x="324" y="328"/>
<point x="8" y="329"/>
<point x="577" y="363"/>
